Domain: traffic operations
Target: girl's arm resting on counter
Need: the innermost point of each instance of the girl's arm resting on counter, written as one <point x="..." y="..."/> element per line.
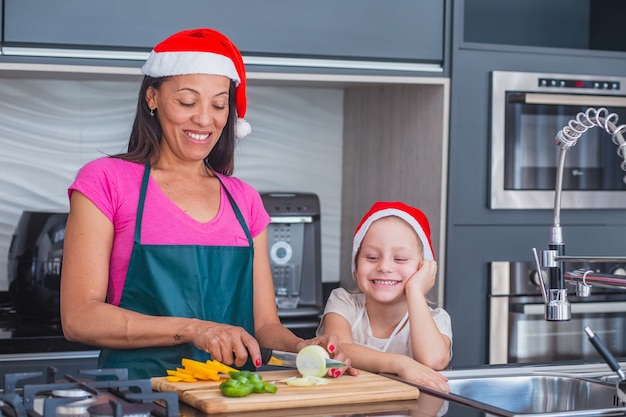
<point x="372" y="360"/>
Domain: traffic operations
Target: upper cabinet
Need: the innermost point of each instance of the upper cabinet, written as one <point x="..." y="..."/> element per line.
<point x="374" y="30"/>
<point x="573" y="24"/>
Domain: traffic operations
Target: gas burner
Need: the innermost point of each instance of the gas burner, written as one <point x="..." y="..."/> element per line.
<point x="105" y="393"/>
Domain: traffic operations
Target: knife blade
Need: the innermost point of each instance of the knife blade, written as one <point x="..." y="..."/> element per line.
<point x="288" y="359"/>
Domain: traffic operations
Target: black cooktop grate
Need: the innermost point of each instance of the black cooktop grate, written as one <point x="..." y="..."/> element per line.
<point x="110" y="392"/>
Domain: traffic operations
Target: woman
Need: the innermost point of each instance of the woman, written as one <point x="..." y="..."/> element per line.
<point x="387" y="326"/>
<point x="165" y="252"/>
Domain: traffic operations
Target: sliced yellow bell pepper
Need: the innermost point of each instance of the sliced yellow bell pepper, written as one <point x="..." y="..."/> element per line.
<point x="200" y="370"/>
<point x="221" y="368"/>
<point x="193" y="370"/>
<point x="182" y="375"/>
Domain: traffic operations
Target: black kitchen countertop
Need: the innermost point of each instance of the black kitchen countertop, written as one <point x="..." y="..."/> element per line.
<point x="19" y="335"/>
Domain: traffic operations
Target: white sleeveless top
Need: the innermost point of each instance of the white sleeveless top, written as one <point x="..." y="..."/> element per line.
<point x="352" y="307"/>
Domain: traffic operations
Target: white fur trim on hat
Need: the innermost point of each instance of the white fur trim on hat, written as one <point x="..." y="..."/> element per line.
<point x="360" y="234"/>
<point x="165" y="64"/>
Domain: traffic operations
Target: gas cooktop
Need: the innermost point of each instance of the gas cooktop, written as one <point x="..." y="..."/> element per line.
<point x="101" y="392"/>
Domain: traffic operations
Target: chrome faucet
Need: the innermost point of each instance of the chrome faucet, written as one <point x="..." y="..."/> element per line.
<point x="558" y="307"/>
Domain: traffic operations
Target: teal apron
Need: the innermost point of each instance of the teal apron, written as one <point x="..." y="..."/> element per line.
<point x="212" y="283"/>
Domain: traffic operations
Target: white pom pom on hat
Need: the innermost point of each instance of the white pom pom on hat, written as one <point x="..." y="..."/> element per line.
<point x="413" y="216"/>
<point x="202" y="51"/>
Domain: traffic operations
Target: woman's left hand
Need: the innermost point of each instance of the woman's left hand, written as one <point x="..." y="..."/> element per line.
<point x="331" y="344"/>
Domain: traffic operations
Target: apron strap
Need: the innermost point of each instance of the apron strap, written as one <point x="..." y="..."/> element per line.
<point x="142" y="199"/>
<point x="242" y="222"/>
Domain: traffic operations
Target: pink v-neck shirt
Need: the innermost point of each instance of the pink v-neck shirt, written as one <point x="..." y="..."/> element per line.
<point x="113" y="185"/>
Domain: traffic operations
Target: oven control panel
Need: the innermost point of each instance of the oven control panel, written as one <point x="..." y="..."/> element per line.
<point x="579" y="83"/>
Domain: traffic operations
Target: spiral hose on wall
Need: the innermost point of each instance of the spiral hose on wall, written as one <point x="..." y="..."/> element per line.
<point x="567" y="138"/>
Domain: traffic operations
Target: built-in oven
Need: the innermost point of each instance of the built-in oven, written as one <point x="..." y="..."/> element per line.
<point x="527" y="111"/>
<point x="519" y="333"/>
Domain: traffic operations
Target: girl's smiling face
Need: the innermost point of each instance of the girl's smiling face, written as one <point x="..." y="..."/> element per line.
<point x="389" y="255"/>
<point x="193" y="111"/>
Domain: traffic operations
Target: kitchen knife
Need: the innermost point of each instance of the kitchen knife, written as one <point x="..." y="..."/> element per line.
<point x="288" y="359"/>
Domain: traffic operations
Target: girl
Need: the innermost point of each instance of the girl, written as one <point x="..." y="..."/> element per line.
<point x="387" y="326"/>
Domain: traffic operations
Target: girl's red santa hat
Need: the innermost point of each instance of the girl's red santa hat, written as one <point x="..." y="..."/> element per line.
<point x="413" y="216"/>
<point x="202" y="51"/>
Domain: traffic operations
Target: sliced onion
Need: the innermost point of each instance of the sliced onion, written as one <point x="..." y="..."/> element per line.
<point x="311" y="361"/>
<point x="305" y="381"/>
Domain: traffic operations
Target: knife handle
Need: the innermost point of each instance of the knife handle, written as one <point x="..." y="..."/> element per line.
<point x="266" y="355"/>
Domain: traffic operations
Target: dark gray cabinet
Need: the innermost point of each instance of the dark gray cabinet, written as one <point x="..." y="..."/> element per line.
<point x="475" y="234"/>
<point x="575" y="24"/>
<point x="543" y="23"/>
<point x="393" y="30"/>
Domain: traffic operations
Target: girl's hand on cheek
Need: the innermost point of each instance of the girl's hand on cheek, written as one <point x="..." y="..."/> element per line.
<point x="424" y="277"/>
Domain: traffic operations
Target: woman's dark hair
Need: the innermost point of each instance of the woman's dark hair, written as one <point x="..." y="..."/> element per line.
<point x="145" y="137"/>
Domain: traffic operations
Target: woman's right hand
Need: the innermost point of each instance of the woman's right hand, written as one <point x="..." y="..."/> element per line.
<point x="227" y="344"/>
<point x="415" y="372"/>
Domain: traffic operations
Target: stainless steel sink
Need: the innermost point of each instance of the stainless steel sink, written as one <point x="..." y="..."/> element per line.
<point x="545" y="395"/>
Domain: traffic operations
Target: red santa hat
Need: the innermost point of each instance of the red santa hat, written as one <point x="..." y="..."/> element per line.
<point x="202" y="51"/>
<point x="414" y="217"/>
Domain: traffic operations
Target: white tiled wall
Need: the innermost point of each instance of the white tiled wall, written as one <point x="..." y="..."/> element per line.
<point x="50" y="126"/>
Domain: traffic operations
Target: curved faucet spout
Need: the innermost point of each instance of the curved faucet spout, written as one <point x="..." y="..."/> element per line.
<point x="557" y="306"/>
<point x="567" y="138"/>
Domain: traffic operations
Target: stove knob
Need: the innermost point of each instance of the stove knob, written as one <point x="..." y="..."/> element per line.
<point x="620" y="270"/>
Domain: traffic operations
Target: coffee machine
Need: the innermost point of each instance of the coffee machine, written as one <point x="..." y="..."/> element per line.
<point x="294" y="242"/>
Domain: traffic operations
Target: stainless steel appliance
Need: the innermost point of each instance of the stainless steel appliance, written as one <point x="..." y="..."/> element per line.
<point x="528" y="109"/>
<point x="294" y="241"/>
<point x="34" y="264"/>
<point x="519" y="333"/>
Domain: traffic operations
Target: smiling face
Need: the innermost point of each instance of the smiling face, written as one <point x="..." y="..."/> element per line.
<point x="192" y="110"/>
<point x="389" y="255"/>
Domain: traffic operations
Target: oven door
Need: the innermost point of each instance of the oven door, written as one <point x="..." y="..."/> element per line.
<point x="520" y="333"/>
<point x="531" y="155"/>
<point x="528" y="110"/>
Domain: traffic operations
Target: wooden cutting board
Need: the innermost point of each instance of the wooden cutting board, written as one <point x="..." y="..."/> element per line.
<point x="365" y="388"/>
